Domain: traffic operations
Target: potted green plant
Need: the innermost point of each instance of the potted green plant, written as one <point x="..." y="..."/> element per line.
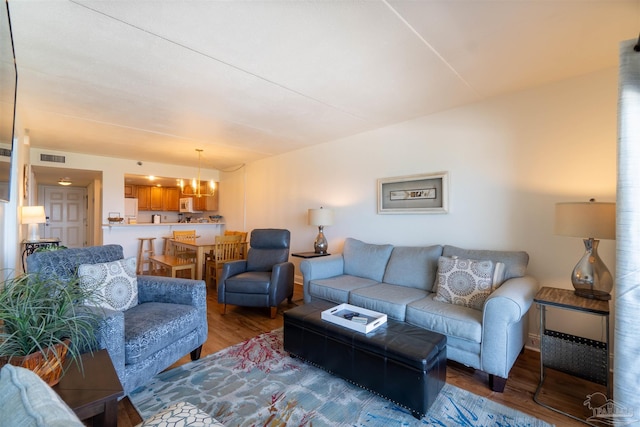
<point x="43" y="322"/>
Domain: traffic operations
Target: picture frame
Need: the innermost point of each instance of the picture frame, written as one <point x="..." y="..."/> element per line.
<point x="26" y="174"/>
<point x="414" y="194"/>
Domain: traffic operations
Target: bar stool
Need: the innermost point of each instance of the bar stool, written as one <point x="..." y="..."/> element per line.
<point x="144" y="254"/>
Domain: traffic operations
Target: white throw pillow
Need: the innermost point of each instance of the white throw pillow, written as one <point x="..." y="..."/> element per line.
<point x="467" y="282"/>
<point x="115" y="283"/>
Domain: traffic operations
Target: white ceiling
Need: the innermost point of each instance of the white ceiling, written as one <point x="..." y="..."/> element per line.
<point x="153" y="80"/>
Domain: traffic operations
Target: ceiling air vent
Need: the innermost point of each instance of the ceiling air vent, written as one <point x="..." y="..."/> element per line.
<point x="52" y="158"/>
<point x="5" y="152"/>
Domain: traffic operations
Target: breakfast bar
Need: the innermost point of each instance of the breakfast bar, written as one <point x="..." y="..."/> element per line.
<point x="127" y="235"/>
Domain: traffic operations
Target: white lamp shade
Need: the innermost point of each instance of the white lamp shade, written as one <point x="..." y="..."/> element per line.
<point x="33" y="215"/>
<point x="320" y="217"/>
<point x="586" y="219"/>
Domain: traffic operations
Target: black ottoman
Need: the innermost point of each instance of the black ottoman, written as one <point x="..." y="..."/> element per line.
<point x="400" y="362"/>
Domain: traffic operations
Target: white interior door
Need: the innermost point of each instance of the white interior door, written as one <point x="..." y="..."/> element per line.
<point x="66" y="209"/>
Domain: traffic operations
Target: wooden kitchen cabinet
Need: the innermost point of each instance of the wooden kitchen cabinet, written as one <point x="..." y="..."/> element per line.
<point x="200" y="203"/>
<point x="171" y="199"/>
<point x="187" y="191"/>
<point x="167" y="198"/>
<point x="212" y="202"/>
<point x="130" y="191"/>
<point x="156" y="199"/>
<point x="144" y="197"/>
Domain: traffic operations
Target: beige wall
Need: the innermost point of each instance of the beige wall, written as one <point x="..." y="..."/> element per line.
<point x="510" y="159"/>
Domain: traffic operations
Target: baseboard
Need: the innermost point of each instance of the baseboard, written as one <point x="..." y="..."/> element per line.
<point x="533" y="342"/>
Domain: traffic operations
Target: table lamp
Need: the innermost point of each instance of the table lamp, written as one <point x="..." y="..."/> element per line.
<point x="590" y="220"/>
<point x="34" y="216"/>
<point x="320" y="217"/>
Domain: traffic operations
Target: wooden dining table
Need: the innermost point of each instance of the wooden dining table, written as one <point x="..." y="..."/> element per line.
<point x="201" y="245"/>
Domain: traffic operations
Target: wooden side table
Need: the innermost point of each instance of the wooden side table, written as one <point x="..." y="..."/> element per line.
<point x="95" y="394"/>
<point x="578" y="356"/>
<point x="309" y="254"/>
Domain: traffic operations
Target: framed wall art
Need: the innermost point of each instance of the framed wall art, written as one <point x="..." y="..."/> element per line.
<point x="414" y="194"/>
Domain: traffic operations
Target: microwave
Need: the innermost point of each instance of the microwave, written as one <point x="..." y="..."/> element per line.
<point x="186" y="205"/>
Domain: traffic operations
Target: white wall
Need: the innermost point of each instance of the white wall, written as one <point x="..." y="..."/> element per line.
<point x="510" y="159"/>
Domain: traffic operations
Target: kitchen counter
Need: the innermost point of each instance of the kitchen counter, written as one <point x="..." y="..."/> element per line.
<point x="127" y="235"/>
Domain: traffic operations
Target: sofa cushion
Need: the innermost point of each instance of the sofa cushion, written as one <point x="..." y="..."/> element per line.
<point x="391" y="300"/>
<point x="448" y="319"/>
<point x="152" y="326"/>
<point x="337" y="288"/>
<point x="181" y="414"/>
<point x="467" y="282"/>
<point x="26" y="400"/>
<point x="115" y="283"/>
<point x="413" y="266"/>
<point x="515" y="261"/>
<point x="365" y="260"/>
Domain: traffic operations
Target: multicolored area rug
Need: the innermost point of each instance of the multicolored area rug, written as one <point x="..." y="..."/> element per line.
<point x="256" y="383"/>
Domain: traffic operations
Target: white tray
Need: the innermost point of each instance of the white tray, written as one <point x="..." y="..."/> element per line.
<point x="336" y="315"/>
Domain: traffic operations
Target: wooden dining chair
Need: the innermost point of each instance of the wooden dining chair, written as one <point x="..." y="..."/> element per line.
<point x="227" y="248"/>
<point x="183" y="252"/>
<point x="243" y="240"/>
<point x="184" y="234"/>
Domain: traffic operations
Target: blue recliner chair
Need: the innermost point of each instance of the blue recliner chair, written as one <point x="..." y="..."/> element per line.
<point x="169" y="321"/>
<point x="265" y="278"/>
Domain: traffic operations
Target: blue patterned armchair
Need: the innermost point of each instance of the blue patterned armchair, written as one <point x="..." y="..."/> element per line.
<point x="169" y="321"/>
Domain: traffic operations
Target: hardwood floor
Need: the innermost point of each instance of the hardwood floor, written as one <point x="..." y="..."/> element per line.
<point x="561" y="391"/>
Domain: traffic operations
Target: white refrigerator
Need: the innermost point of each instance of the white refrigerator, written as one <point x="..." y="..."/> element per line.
<point x="131" y="211"/>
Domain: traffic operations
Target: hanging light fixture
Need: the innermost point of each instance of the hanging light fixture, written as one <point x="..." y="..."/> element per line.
<point x="64" y="181"/>
<point x="195" y="188"/>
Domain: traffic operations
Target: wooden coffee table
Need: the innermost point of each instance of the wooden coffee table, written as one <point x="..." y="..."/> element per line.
<point x="95" y="395"/>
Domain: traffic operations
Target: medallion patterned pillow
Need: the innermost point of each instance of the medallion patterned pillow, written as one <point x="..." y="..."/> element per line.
<point x="467" y="282"/>
<point x="114" y="282"/>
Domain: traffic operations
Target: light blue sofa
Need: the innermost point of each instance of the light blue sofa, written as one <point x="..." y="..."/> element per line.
<point x="399" y="281"/>
<point x="169" y="321"/>
<point x="27" y="401"/>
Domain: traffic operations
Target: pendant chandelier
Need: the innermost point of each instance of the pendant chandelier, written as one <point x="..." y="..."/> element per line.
<point x="195" y="189"/>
